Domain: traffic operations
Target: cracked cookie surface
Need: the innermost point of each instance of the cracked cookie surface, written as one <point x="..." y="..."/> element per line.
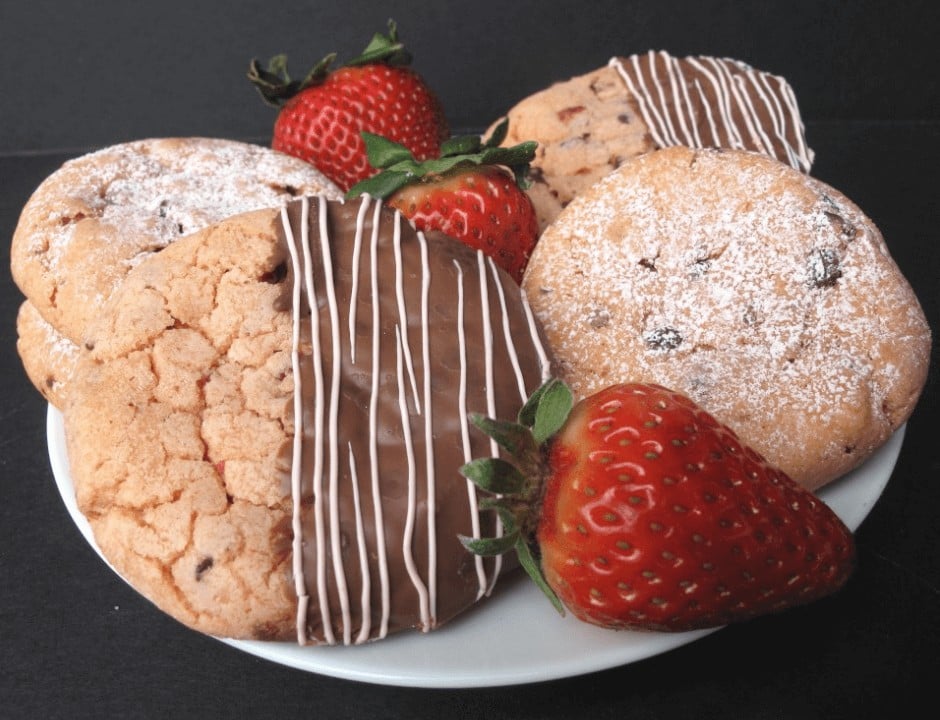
<point x="269" y="448"/>
<point x="176" y="432"/>
<point x="102" y="213"/>
<point x="765" y="295"/>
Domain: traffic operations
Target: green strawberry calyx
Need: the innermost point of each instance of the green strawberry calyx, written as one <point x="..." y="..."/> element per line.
<point x="514" y="485"/>
<point x="399" y="168"/>
<point x="276" y="86"/>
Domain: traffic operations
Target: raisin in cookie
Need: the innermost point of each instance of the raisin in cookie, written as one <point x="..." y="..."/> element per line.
<point x="266" y="431"/>
<point x="764" y="294"/>
<point x="100" y="214"/>
<point x="591" y="124"/>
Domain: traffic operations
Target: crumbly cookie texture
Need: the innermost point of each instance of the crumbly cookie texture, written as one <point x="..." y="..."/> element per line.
<point x="590" y="125"/>
<point x="102" y="213"/>
<point x="764" y="294"/>
<point x="261" y="471"/>
<point x="585" y="127"/>
<point x="48" y="357"/>
<point x="187" y="370"/>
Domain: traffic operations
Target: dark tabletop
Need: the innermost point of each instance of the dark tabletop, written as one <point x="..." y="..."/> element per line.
<point x="76" y="642"/>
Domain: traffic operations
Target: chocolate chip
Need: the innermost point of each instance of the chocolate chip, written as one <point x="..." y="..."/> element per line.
<point x="824" y="267"/>
<point x="204" y="565"/>
<point x="285" y="189"/>
<point x="275" y="276"/>
<point x="665" y="338"/>
<point x="648" y="263"/>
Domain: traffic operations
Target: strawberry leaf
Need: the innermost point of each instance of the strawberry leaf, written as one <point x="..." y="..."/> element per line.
<point x="552" y="410"/>
<point x="506" y="514"/>
<point x="384" y="153"/>
<point x="490" y="547"/>
<point x="527" y="413"/>
<point x="533" y="568"/>
<point x="498" y="135"/>
<point x="460" y="145"/>
<point x="465" y="150"/>
<point x="380" y="186"/>
<point x="495" y="475"/>
<point x="275" y="84"/>
<point x="515" y="439"/>
<point x="386" y="49"/>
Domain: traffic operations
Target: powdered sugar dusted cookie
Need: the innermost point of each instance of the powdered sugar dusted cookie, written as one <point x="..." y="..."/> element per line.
<point x="765" y="295"/>
<point x="100" y="214"/>
<point x="591" y="124"/>
<point x="261" y="470"/>
<point x="48" y="357"/>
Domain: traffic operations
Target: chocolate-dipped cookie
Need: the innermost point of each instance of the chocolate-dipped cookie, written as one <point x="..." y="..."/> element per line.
<point x="266" y="430"/>
<point x="590" y="125"/>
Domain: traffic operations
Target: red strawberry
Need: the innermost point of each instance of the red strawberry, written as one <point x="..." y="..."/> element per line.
<point x="654" y="516"/>
<point x="474" y="192"/>
<point x="322" y="116"/>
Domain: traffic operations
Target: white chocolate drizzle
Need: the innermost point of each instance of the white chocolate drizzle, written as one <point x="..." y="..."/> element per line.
<point x="465" y="428"/>
<point x="323" y="597"/>
<point x="715" y="102"/>
<point x="296" y="465"/>
<point x="402" y="316"/>
<point x="412" y="488"/>
<point x="357" y="558"/>
<point x="490" y="380"/>
<point x="428" y="430"/>
<point x="373" y="424"/>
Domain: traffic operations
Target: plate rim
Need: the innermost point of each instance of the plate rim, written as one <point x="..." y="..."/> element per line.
<point x="342" y="662"/>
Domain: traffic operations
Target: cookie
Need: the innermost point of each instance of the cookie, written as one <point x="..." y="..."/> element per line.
<point x="102" y="213"/>
<point x="589" y="125"/>
<point x="747" y="285"/>
<point x="48" y="357"/>
<point x="260" y="470"/>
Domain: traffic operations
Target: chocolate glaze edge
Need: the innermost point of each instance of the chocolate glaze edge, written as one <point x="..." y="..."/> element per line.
<point x="412" y="332"/>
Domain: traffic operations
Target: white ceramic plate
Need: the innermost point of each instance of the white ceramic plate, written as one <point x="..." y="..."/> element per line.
<point x="513" y="637"/>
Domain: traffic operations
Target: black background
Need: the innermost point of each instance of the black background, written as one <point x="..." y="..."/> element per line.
<point x="82" y="73"/>
<point x="75" y="642"/>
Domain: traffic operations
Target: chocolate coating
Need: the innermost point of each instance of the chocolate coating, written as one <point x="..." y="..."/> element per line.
<point x="261" y="471"/>
<point x="409" y="333"/>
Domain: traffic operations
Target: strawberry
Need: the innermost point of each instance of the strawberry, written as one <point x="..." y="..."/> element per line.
<point x="321" y="117"/>
<point x="474" y="192"/>
<point x="649" y="514"/>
